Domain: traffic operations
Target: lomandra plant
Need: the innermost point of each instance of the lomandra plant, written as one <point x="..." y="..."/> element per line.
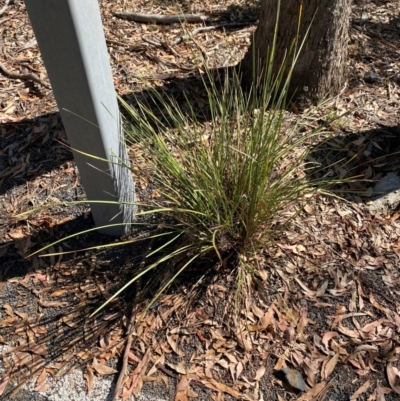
<point x="226" y="187"/>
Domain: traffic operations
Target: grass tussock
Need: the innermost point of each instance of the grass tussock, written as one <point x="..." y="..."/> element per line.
<point x="228" y="186"/>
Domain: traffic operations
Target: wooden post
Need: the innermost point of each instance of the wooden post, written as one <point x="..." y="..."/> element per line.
<point x="72" y="43"/>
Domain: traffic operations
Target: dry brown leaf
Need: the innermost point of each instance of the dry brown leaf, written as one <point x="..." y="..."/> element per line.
<point x="22" y="315"/>
<point x="181" y="396"/>
<point x="397" y="320"/>
<point x="17" y="234"/>
<point x="328" y="336"/>
<point x="255" y="327"/>
<point x="279" y="364"/>
<point x="133" y="357"/>
<point x="52" y="304"/>
<point x="138" y="386"/>
<point x="232" y="371"/>
<point x="381" y="391"/>
<point x="257" y="311"/>
<point x="312" y="393"/>
<point x="367" y="347"/>
<point x="307" y="291"/>
<point x="133" y="381"/>
<point x="380" y="396"/>
<point x="330" y="366"/>
<point x="41" y="277"/>
<point x="42" y="377"/>
<point x="260" y="373"/>
<point x="181" y="389"/>
<point x="214" y="385"/>
<point x="102" y="369"/>
<point x="378" y="305"/>
<point x="8" y="321"/>
<point x="224" y="363"/>
<point x="126" y="393"/>
<point x="371" y="326"/>
<point x="143" y="363"/>
<point x="231" y="357"/>
<point x="218" y="397"/>
<point x="8" y="310"/>
<point x="37" y="349"/>
<point x="322" y="289"/>
<point x="161" y="361"/>
<point x="83" y="355"/>
<point x="266" y="320"/>
<point x="392" y="374"/>
<point x="179" y="368"/>
<point x="309" y="209"/>
<point x="354" y="362"/>
<point x="191" y="393"/>
<point x="239" y="369"/>
<point x="363" y="389"/>
<point x="348" y="332"/>
<point x="309" y="373"/>
<point x="174" y="345"/>
<point x="89" y="378"/>
<point x="58" y="293"/>
<point x="3" y="385"/>
<point x="302" y="322"/>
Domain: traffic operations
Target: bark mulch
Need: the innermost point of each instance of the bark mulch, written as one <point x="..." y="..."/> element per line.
<point x="331" y="309"/>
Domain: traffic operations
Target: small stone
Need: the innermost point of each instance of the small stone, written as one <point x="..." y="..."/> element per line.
<point x="294" y="378"/>
<point x="371" y="77"/>
<point x="386" y="194"/>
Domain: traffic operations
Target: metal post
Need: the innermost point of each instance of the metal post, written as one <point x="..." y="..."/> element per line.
<point x="71" y="39"/>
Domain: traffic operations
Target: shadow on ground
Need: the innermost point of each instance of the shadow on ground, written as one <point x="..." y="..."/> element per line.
<point x="31" y="148"/>
<point x="368" y="156"/>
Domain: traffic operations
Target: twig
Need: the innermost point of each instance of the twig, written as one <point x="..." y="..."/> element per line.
<point x="206" y="29"/>
<point x="164" y="45"/>
<point x="28" y="77"/>
<point x="129" y="336"/>
<point x="151" y="42"/>
<point x="130" y="46"/>
<point x="7" y="18"/>
<point x="167" y="63"/>
<point x="162" y="19"/>
<point x="124" y="366"/>
<point x="6" y="4"/>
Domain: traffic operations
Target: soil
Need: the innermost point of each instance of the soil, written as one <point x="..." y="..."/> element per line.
<point x="331" y="280"/>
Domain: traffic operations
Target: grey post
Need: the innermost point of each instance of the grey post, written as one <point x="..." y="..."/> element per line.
<point x="72" y="43"/>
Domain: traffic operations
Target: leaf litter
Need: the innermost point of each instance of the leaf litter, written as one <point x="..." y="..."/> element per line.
<point x="333" y="281"/>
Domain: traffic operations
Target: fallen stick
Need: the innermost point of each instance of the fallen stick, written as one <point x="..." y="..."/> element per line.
<point x="151" y="42"/>
<point x="129" y="336"/>
<point x="26" y="77"/>
<point x="162" y="19"/>
<point x="206" y="29"/>
<point x="121" y="376"/>
<point x="130" y="46"/>
<point x="6" y="4"/>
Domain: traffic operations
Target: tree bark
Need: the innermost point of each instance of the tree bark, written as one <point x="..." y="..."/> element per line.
<point x="320" y="68"/>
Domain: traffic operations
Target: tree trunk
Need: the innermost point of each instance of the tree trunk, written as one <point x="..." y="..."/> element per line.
<point x="320" y="68"/>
